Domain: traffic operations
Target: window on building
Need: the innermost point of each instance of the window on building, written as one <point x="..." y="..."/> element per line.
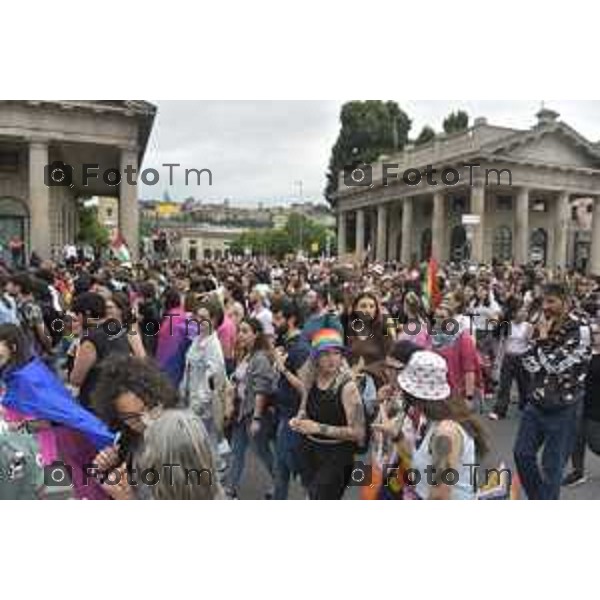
<point x="589" y="208"/>
<point x="504" y="202"/>
<point x="426" y="244"/>
<point x="459" y="205"/>
<point x="109" y="213"/>
<point x="574" y="214"/>
<point x="9" y="160"/>
<point x="538" y="246"/>
<point x="539" y="206"/>
<point x="502" y="249"/>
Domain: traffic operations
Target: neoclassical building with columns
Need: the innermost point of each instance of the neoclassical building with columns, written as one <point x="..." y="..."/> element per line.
<point x="520" y="200"/>
<point x="33" y="134"/>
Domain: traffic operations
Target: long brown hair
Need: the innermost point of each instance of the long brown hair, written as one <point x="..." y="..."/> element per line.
<point x="456" y="409"/>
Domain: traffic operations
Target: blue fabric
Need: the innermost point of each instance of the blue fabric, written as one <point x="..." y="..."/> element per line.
<point x="34" y="390"/>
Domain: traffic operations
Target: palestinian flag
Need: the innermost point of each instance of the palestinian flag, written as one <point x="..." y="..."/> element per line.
<point x="119" y="248"/>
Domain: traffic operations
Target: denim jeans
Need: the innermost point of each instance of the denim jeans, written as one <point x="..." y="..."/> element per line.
<point x="555" y="431"/>
<point x="261" y="445"/>
<point x="286" y="457"/>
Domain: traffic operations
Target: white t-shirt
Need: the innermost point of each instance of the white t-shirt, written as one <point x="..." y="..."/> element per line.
<point x="517" y="340"/>
<point x="265" y="317"/>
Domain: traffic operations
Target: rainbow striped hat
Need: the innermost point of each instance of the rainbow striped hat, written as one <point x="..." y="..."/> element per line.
<point x="326" y="339"/>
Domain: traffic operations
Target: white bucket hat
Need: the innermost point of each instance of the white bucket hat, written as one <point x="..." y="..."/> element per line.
<point x="425" y="376"/>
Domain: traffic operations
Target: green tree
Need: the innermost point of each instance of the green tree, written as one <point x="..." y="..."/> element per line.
<point x="304" y="232"/>
<point x="300" y="233"/>
<point x="90" y="230"/>
<point x="426" y="135"/>
<point x="456" y="122"/>
<point x="368" y="130"/>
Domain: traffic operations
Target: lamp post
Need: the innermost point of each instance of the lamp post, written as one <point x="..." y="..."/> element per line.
<point x="301" y="199"/>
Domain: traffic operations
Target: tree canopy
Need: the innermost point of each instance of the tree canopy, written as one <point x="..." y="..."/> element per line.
<point x="90" y="230"/>
<point x="456" y="122"/>
<point x="368" y="130"/>
<point x="426" y="135"/>
<point x="299" y="233"/>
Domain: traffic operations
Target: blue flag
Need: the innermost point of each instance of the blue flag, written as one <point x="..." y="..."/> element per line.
<point x="34" y="390"/>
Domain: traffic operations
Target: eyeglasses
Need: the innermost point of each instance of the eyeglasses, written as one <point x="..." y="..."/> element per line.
<point x="145" y="417"/>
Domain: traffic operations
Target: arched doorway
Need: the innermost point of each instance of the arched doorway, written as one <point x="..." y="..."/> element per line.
<point x="502" y="248"/>
<point x="207" y="254"/>
<point x="458" y="244"/>
<point x="538" y="246"/>
<point x="426" y="244"/>
<point x="14" y="224"/>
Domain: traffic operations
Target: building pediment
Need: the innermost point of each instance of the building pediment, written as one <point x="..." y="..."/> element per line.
<point x="555" y="144"/>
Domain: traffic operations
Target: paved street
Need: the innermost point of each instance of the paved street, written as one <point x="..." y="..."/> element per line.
<point x="502" y="433"/>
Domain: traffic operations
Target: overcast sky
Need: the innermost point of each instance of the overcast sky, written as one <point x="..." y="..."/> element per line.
<point x="259" y="150"/>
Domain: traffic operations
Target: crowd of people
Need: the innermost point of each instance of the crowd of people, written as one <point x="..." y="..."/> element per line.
<point x="158" y="380"/>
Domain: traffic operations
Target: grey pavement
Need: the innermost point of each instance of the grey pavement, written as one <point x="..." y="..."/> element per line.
<point x="502" y="433"/>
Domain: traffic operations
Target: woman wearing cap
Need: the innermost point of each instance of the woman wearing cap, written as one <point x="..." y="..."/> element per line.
<point x="454" y="439"/>
<point x="332" y="420"/>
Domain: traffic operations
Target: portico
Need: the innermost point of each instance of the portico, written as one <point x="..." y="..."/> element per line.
<point x="520" y="195"/>
<point x="36" y="134"/>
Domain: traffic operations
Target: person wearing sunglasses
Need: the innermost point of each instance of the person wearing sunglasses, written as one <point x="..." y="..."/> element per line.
<point x="130" y="394"/>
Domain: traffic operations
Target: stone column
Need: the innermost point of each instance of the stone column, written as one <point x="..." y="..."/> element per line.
<point x="39" y="200"/>
<point x="407" y="227"/>
<point x="595" y="250"/>
<point x="360" y="233"/>
<point x="392" y="251"/>
<point x="341" y="236"/>
<point x="478" y="208"/>
<point x="128" y="202"/>
<point x="561" y="230"/>
<point x="381" y="245"/>
<point x="438" y="225"/>
<point x="521" y="253"/>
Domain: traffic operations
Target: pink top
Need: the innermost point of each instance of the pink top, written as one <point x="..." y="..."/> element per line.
<point x="227" y="334"/>
<point x="462" y="358"/>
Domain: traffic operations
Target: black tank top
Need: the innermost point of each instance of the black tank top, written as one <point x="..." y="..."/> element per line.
<point x="325" y="406"/>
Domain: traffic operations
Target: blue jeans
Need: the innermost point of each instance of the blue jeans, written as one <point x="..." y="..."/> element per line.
<point x="286" y="457"/>
<point x="555" y="431"/>
<point x="240" y="440"/>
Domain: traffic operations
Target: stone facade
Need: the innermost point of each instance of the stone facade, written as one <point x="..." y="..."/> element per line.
<point x="198" y="243"/>
<point x="520" y="198"/>
<point x="33" y="134"/>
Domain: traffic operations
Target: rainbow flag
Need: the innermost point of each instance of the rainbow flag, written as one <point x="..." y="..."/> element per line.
<point x="431" y="286"/>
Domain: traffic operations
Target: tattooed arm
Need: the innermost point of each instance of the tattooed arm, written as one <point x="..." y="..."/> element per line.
<point x="445" y="451"/>
<point x="354" y="431"/>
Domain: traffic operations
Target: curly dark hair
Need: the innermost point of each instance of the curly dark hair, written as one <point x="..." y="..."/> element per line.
<point x="139" y="376"/>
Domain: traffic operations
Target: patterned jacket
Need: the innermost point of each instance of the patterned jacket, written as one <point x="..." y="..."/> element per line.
<point x="558" y="365"/>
